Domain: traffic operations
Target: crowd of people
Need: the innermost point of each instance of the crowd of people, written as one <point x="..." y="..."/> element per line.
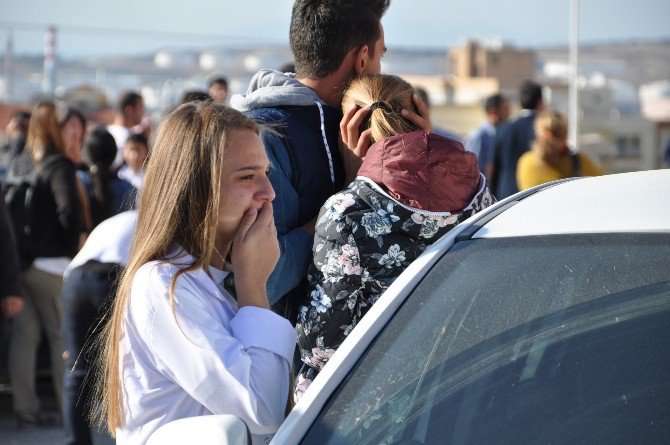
<point x="174" y="272"/>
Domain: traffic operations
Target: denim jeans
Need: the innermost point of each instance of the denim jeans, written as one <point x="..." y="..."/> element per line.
<point x="87" y="296"/>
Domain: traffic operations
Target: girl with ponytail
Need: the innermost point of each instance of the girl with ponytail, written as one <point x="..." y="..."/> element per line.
<point x="108" y="194"/>
<point x="413" y="186"/>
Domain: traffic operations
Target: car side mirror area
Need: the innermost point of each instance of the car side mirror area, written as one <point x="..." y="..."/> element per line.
<point x="222" y="429"/>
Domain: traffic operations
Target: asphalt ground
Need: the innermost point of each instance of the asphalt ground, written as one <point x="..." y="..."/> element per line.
<point x="10" y="434"/>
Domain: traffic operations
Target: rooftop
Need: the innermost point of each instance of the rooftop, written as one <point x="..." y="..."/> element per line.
<point x="623" y="203"/>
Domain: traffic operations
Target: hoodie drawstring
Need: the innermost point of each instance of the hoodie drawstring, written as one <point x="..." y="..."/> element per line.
<point x="325" y="142"/>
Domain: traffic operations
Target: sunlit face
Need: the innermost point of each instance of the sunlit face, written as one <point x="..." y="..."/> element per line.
<point x="219" y="93"/>
<point x="244" y="180"/>
<point x="375" y="61"/>
<point x="73" y="133"/>
<point x="135" y="154"/>
<point x="135" y="113"/>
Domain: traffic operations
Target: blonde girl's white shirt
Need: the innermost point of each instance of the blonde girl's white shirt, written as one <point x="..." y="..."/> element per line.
<point x="217" y="360"/>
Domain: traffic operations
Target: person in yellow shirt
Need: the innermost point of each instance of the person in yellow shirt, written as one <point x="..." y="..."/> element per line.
<point x="550" y="157"/>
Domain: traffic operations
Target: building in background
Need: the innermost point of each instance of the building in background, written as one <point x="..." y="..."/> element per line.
<point x="480" y="69"/>
<point x="624" y="87"/>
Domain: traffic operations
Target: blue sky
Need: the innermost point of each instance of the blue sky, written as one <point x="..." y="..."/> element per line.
<point x="87" y="27"/>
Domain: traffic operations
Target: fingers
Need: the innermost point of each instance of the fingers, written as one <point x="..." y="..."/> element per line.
<point x="354" y="126"/>
<point x="420" y="106"/>
<point x="247" y="221"/>
<point x="350" y="125"/>
<point x="265" y="217"/>
<point x="364" y="143"/>
<point x="345" y="120"/>
<point x="12" y="305"/>
<point x="421" y="120"/>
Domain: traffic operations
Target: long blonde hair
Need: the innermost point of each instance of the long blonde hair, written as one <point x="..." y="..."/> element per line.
<point x="44" y="134"/>
<point x="391" y="94"/>
<point x="551" y="130"/>
<point x="178" y="207"/>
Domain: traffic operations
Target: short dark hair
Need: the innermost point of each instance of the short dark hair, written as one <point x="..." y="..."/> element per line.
<point x="218" y="80"/>
<point x="530" y="94"/>
<point x="194" y="96"/>
<point x="22" y="119"/>
<point x="287" y="68"/>
<point x="493" y="103"/>
<point x="138" y="138"/>
<point x="324" y="31"/>
<point x="128" y="99"/>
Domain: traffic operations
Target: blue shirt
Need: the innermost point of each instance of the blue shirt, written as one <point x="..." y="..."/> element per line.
<point x="300" y="177"/>
<point x="482" y="142"/>
<point x="124" y="192"/>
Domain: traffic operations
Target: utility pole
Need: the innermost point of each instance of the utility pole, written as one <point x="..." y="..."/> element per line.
<point x="573" y="113"/>
<point x="9" y="68"/>
<point x="49" y="70"/>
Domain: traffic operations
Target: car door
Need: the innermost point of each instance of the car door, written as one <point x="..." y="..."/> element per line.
<point x="544" y="339"/>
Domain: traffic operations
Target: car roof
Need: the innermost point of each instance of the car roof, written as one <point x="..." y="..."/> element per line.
<point x="555" y="202"/>
<point x="635" y="202"/>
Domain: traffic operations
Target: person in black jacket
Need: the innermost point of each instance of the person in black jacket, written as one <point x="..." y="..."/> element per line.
<point x="16" y="132"/>
<point x="10" y="291"/>
<point x="57" y="222"/>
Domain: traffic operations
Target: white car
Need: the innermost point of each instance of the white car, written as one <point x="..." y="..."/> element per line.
<point x="544" y="319"/>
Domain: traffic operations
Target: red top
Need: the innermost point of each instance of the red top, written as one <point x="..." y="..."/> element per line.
<point x="424" y="170"/>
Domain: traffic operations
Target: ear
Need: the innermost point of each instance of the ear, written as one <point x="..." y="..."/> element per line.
<point x="547" y="134"/>
<point x="362" y="59"/>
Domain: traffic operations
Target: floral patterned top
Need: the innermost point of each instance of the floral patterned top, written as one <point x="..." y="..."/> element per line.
<point x="364" y="240"/>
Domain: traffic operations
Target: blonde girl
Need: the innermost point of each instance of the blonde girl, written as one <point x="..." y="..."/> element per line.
<point x="178" y="344"/>
<point x="550" y="157"/>
<point x="413" y="186"/>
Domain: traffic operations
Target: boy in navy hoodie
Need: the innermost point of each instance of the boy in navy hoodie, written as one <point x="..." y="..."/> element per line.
<point x="332" y="41"/>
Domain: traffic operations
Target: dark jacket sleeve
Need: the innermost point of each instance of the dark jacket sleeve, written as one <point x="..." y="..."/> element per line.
<point x="294" y="242"/>
<point x="501" y="147"/>
<point x="9" y="261"/>
<point x="63" y="184"/>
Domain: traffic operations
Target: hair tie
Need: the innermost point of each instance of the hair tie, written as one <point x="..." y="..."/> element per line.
<point x="367" y="122"/>
<point x="383" y="105"/>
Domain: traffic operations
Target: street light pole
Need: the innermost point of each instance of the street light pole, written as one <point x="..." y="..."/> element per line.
<point x="49" y="70"/>
<point x="573" y="113"/>
<point x="9" y="68"/>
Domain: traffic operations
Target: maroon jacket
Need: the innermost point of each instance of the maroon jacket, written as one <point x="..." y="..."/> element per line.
<point x="424" y="170"/>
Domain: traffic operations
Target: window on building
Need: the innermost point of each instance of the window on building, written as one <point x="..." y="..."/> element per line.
<point x="629" y="146"/>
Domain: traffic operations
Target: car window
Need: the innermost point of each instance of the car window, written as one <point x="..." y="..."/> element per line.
<point x="523" y="340"/>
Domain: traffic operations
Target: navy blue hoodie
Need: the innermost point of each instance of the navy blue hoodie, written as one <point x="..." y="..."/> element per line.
<point x="306" y="165"/>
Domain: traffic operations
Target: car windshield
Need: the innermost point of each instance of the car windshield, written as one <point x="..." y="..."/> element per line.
<point x="554" y="339"/>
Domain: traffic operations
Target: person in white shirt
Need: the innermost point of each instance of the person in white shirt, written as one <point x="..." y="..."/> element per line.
<point x="178" y="344"/>
<point x="109" y="242"/>
<point x="90" y="282"/>
<point x="129" y="113"/>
